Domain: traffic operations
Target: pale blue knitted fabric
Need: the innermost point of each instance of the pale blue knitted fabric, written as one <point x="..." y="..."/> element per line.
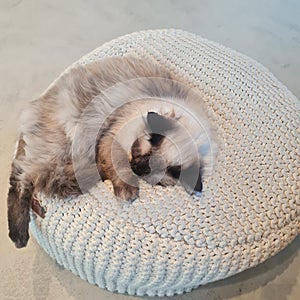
<point x="167" y="242"/>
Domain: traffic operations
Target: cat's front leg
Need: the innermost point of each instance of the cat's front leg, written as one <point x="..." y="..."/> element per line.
<point x="126" y="188"/>
<point x="113" y="164"/>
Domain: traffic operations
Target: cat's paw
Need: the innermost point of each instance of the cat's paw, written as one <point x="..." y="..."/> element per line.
<point x="19" y="235"/>
<point x="18" y="219"/>
<point x="125" y="191"/>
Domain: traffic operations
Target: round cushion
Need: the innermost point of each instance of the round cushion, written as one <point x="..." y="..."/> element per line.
<point x="168" y="242"/>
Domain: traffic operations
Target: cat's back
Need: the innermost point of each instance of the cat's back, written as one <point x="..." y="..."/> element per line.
<point x="62" y="104"/>
<point x="87" y="81"/>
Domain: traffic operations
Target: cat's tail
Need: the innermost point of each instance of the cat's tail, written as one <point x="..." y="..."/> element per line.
<point x="19" y="201"/>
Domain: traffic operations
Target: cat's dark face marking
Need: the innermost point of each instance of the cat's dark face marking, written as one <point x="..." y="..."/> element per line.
<point x="140" y="162"/>
<point x="148" y="163"/>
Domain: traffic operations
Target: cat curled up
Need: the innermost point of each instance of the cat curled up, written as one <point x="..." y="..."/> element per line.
<point x="120" y="119"/>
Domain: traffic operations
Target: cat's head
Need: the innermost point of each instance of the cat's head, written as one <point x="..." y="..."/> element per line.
<point x="166" y="153"/>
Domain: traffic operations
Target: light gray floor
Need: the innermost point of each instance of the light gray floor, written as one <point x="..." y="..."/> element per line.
<point x="39" y="38"/>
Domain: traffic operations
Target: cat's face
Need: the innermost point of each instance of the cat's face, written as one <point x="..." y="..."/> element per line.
<point x="157" y="158"/>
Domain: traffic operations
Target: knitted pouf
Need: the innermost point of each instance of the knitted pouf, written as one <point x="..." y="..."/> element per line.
<point x="167" y="242"/>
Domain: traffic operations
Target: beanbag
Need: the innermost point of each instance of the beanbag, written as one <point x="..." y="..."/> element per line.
<point x="168" y="242"/>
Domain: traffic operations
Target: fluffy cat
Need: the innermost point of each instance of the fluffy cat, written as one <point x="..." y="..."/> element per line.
<point x="119" y="119"/>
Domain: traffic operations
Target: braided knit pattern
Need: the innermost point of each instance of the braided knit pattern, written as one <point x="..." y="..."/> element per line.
<point x="168" y="242"/>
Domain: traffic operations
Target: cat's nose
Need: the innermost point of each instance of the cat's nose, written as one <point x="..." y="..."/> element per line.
<point x="140" y="168"/>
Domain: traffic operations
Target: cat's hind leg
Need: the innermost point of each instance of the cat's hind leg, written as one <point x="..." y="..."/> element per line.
<point x="19" y="201"/>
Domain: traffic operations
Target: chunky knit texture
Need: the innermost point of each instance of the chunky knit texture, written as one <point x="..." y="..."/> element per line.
<point x="167" y="242"/>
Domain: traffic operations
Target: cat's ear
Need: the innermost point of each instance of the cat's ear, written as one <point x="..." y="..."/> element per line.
<point x="191" y="178"/>
<point x="159" y="124"/>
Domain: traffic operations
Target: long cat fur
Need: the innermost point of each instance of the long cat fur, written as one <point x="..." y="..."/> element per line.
<point x="76" y="130"/>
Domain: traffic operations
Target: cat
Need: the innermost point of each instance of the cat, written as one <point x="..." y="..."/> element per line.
<point x="118" y="119"/>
